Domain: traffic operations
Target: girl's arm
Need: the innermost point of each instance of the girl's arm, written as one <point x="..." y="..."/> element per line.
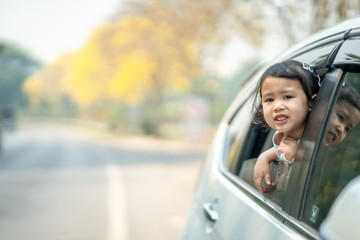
<point x="262" y="169"/>
<point x="288" y="146"/>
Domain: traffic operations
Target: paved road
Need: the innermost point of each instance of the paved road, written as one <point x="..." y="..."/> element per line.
<point x="60" y="183"/>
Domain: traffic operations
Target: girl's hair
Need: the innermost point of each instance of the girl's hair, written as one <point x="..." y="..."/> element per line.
<point x="289" y="69"/>
<point x="349" y="94"/>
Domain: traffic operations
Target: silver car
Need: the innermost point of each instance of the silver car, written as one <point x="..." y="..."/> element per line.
<point x="320" y="198"/>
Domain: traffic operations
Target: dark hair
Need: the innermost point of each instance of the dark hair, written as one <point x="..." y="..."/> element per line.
<point x="349" y="94"/>
<point x="289" y="69"/>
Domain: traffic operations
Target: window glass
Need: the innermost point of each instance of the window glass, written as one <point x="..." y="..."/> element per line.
<point x="349" y="52"/>
<point x="338" y="160"/>
<point x="237" y="134"/>
<point x="316" y="57"/>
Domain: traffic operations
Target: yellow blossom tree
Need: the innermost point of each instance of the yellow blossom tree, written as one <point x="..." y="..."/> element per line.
<point x="136" y="60"/>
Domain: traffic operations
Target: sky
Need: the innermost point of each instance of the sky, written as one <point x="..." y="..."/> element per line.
<point x="49" y="28"/>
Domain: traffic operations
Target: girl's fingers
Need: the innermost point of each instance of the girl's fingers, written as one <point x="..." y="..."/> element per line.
<point x="258" y="185"/>
<point x="267" y="179"/>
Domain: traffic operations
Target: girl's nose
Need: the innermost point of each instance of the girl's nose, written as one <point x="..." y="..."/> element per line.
<point x="339" y="129"/>
<point x="278" y="105"/>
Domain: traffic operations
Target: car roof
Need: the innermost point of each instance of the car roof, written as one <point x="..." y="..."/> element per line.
<point x="337" y="30"/>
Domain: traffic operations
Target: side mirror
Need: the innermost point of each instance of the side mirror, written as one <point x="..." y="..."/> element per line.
<point x="343" y="219"/>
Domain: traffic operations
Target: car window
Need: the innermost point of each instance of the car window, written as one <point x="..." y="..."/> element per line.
<point x="239" y="126"/>
<point x="247" y="141"/>
<point x="317" y="56"/>
<point x="238" y="129"/>
<point x="338" y="159"/>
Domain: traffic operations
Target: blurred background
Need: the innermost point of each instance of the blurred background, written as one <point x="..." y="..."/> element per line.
<point x="126" y="93"/>
<point x="145" y="67"/>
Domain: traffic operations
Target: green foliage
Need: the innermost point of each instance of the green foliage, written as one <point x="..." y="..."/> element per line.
<point x="15" y="66"/>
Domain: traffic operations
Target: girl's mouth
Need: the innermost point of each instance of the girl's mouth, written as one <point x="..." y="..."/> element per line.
<point x="331" y="137"/>
<point x="280" y="118"/>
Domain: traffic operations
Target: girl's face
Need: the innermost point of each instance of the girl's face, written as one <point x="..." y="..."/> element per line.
<point x="285" y="105"/>
<point x="343" y="118"/>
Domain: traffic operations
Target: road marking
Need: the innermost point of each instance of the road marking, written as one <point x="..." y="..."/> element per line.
<point x="117" y="220"/>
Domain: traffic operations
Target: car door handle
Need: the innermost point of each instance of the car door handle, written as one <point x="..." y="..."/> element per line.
<point x="210" y="212"/>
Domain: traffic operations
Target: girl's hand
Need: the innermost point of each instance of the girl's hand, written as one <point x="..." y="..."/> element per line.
<point x="278" y="175"/>
<point x="288" y="146"/>
<point x="262" y="169"/>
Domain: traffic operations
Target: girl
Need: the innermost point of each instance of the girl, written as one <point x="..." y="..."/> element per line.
<point x="287" y="91"/>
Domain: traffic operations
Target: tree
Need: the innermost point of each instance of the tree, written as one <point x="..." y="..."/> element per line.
<point x="48" y="88"/>
<point x="143" y="56"/>
<point x="176" y="37"/>
<point x="15" y="66"/>
<point x="154" y="50"/>
<point x="301" y="19"/>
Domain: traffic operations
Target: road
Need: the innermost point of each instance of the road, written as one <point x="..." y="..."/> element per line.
<point x="57" y="182"/>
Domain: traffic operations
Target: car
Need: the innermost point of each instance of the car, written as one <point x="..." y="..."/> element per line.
<point x="320" y="198"/>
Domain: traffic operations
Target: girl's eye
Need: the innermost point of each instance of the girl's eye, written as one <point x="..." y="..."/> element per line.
<point x="341" y="118"/>
<point x="287" y="97"/>
<point x="269" y="100"/>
